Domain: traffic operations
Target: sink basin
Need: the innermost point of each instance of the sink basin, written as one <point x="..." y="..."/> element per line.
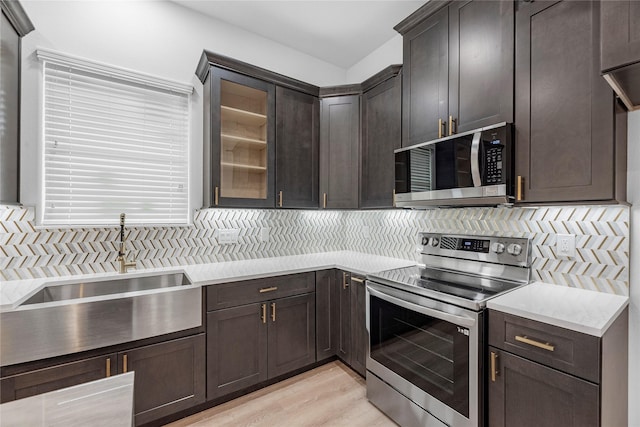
<point x="62" y="319"/>
<point x="106" y="287"/>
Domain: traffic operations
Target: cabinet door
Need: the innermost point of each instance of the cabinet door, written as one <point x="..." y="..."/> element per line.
<point x="620" y="33"/>
<point x="236" y="348"/>
<point x="359" y="335"/>
<point x="527" y="394"/>
<point x="10" y="107"/>
<point x="169" y="377"/>
<point x="56" y="377"/>
<point x="339" y="151"/>
<point x="239" y="141"/>
<point x="344" y="314"/>
<point x="481" y="44"/>
<point x="425" y="79"/>
<point x="564" y="109"/>
<point x="327" y="305"/>
<point x="292" y="334"/>
<point x="381" y="134"/>
<point x="297" y="145"/>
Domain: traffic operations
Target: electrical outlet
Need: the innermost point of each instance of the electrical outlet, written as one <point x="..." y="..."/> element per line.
<point x="228" y="235"/>
<point x="366" y="232"/>
<point x="566" y="245"/>
<point x="264" y="234"/>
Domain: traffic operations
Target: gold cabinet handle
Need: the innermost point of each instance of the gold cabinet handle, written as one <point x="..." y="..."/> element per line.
<point x="108" y="367"/>
<point x="357" y="279"/>
<point x="452" y="123"/>
<point x="263" y="317"/>
<point x="494" y="366"/>
<point x="216" y="195"/>
<point x="345" y="284"/>
<point x="270" y="289"/>
<point x="273" y="311"/>
<point x="280" y="199"/>
<point x="440" y="128"/>
<point x="519" y="188"/>
<point x="394" y="198"/>
<point x="124" y="363"/>
<point x="324" y="200"/>
<point x="543" y="345"/>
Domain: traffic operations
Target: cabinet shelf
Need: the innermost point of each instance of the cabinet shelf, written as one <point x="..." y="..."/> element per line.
<point x="244" y="167"/>
<point x="243" y="116"/>
<point x="242" y="141"/>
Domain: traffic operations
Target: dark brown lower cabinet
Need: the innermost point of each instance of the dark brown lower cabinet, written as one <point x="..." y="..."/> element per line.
<point x="292" y="334"/>
<point x="252" y="343"/>
<point x="236" y="349"/>
<point x="344" y="317"/>
<point x="341" y="316"/>
<point x="528" y="394"/>
<point x="169" y="377"/>
<point x="327" y="318"/>
<point x="56" y="377"/>
<point x="358" y="325"/>
<point x="545" y="375"/>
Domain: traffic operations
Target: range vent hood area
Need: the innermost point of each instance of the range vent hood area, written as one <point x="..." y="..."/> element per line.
<point x="625" y="82"/>
<point x="620" y="49"/>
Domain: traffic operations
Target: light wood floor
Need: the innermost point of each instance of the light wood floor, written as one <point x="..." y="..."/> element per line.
<point x="330" y="395"/>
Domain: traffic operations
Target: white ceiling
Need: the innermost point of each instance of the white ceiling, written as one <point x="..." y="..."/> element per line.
<point x="339" y="32"/>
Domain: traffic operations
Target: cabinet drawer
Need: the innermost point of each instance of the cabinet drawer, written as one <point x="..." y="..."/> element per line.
<point x="57" y="377"/>
<point x="227" y="295"/>
<point x="568" y="351"/>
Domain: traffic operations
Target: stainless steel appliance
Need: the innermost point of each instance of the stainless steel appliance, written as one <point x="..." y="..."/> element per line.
<point x="426" y="325"/>
<point x="470" y="168"/>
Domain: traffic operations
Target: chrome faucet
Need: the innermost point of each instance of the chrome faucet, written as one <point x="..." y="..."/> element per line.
<point x="122" y="253"/>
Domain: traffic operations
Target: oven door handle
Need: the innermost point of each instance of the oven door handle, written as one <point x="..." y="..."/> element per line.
<point x="427" y="311"/>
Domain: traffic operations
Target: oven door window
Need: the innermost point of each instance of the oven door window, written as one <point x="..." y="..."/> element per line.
<point x="430" y="353"/>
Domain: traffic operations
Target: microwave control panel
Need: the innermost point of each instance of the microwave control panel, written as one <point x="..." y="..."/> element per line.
<point x="493" y="162"/>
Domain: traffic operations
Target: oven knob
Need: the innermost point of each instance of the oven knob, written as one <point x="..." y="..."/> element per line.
<point x="435" y="241"/>
<point x="425" y="241"/>
<point x="514" y="249"/>
<point x="497" y="247"/>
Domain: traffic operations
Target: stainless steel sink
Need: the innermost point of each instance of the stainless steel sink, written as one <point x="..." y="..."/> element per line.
<point x="60" y="319"/>
<point x="106" y="287"/>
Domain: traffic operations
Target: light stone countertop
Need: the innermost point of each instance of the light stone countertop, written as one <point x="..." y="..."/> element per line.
<point x="580" y="310"/>
<point x="14" y="292"/>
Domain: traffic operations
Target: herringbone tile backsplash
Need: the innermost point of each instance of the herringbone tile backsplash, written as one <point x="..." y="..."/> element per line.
<point x="601" y="262"/>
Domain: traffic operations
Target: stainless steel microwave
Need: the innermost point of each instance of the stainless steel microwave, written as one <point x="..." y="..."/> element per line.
<point x="474" y="168"/>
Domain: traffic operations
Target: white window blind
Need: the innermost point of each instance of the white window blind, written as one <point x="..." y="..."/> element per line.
<point x="114" y="141"/>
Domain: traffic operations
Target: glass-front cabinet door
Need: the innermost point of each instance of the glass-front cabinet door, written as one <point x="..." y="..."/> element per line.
<point x="242" y="136"/>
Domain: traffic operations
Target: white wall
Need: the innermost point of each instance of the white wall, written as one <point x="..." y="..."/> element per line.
<point x="387" y="54"/>
<point x="633" y="196"/>
<point x="155" y="37"/>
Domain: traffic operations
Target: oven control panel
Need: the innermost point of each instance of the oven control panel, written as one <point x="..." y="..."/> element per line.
<point x="501" y="250"/>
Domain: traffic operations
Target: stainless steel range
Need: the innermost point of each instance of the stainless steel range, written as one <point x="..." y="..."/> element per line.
<point x="426" y="324"/>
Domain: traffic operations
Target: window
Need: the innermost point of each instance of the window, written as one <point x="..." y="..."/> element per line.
<point x="114" y="141"/>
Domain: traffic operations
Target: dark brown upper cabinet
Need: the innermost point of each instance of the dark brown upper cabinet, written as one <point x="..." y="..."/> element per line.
<point x="570" y="138"/>
<point x="297" y="149"/>
<point x="458" y="68"/>
<point x="239" y="140"/>
<point x="620" y="55"/>
<point x="260" y="136"/>
<point x="14" y="24"/>
<point x="381" y="134"/>
<point x="339" y="151"/>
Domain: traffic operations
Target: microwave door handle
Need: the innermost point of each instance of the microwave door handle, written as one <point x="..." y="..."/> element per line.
<point x="447" y="317"/>
<point x="475" y="160"/>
